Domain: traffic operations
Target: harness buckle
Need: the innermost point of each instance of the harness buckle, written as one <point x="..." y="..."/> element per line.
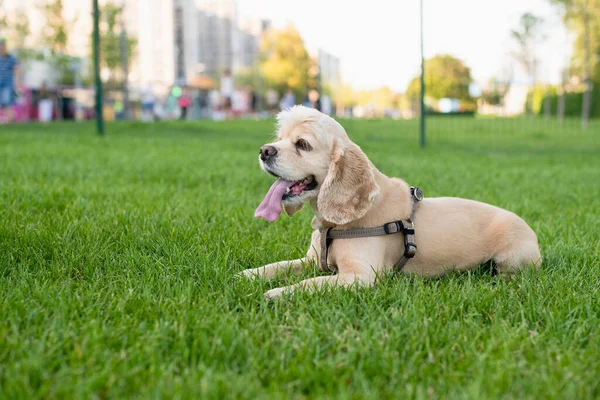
<point x="417" y="194"/>
<point x="410" y="249"/>
<point x="397" y="225"/>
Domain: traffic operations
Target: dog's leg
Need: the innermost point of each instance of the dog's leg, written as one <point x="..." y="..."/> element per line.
<point x="342" y="279"/>
<point x="294" y="266"/>
<point x="271" y="270"/>
<point x="525" y="254"/>
<point x="518" y="248"/>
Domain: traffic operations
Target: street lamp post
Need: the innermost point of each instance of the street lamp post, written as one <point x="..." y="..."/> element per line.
<point x="123" y="43"/>
<point x="99" y="116"/>
<point x="422" y="83"/>
<point x="76" y="68"/>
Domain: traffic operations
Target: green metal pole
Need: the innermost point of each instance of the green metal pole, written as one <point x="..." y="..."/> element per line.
<point x="99" y="116"/>
<point x="422" y="83"/>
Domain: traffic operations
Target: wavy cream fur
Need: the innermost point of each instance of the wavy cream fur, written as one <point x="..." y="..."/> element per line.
<point x="451" y="233"/>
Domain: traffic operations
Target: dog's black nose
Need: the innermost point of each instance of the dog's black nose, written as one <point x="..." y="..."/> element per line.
<point x="266" y="152"/>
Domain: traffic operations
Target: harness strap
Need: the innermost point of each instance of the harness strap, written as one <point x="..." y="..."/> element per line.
<point x="325" y="242"/>
<point x="402" y="226"/>
<point x="410" y="247"/>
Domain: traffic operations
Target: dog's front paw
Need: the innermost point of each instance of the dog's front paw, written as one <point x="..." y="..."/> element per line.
<point x="274" y="294"/>
<point x="248" y="274"/>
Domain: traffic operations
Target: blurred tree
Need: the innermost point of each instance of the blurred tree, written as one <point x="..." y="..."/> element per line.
<point x="314" y="75"/>
<point x="55" y="37"/>
<point x="495" y="93"/>
<point x="284" y="60"/>
<point x="250" y="77"/>
<point x="15" y="26"/>
<point x="527" y="36"/>
<point x="56" y="28"/>
<point x="583" y="17"/>
<point x="3" y="17"/>
<point x="445" y="77"/>
<point x="382" y="99"/>
<point x="575" y="14"/>
<point x="327" y="89"/>
<point x="346" y="96"/>
<point x="110" y="42"/>
<point x="376" y="101"/>
<point x="21" y="31"/>
<point x="492" y="97"/>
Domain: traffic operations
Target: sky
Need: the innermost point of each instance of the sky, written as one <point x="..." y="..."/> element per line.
<point x="378" y="40"/>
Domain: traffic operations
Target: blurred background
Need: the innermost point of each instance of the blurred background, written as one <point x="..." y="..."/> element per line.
<point x="226" y="59"/>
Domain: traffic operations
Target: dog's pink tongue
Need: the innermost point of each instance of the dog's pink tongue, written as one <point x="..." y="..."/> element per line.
<point x="270" y="208"/>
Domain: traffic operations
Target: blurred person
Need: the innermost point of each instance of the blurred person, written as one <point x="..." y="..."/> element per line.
<point x="171" y="107"/>
<point x="203" y="104"/>
<point x="238" y="103"/>
<point x="148" y="101"/>
<point x="159" y="111"/>
<point x="272" y="98"/>
<point x="119" y="109"/>
<point x="326" y="105"/>
<point x="306" y="101"/>
<point x="315" y="99"/>
<point x="227" y="89"/>
<point x="184" y="103"/>
<point x="45" y="104"/>
<point x="253" y="101"/>
<point x="288" y="101"/>
<point x="215" y="105"/>
<point x="10" y="78"/>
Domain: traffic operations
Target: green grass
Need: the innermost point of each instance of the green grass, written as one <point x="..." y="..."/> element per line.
<point x="118" y="255"/>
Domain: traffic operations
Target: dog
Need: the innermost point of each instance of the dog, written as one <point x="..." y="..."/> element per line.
<point x="315" y="162"/>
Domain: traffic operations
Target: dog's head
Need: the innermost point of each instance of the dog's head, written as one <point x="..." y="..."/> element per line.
<point x="314" y="160"/>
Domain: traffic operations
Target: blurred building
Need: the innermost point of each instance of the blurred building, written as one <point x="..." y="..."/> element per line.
<point x="250" y="34"/>
<point x="329" y="68"/>
<point x="177" y="40"/>
<point x="214" y="38"/>
<point x="77" y="14"/>
<point x="152" y="23"/>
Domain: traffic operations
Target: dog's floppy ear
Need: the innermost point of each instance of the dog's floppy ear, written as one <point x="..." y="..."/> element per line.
<point x="349" y="187"/>
<point x="291" y="209"/>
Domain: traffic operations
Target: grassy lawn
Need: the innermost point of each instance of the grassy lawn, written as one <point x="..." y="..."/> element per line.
<point x="118" y="255"/>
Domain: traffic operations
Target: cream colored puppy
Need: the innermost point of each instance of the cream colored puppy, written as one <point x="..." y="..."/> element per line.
<point x="316" y="163"/>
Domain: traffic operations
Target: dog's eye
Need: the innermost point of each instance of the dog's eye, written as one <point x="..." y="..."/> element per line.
<point x="302" y="144"/>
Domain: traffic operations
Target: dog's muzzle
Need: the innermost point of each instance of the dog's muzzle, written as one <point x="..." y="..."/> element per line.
<point x="268" y="153"/>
